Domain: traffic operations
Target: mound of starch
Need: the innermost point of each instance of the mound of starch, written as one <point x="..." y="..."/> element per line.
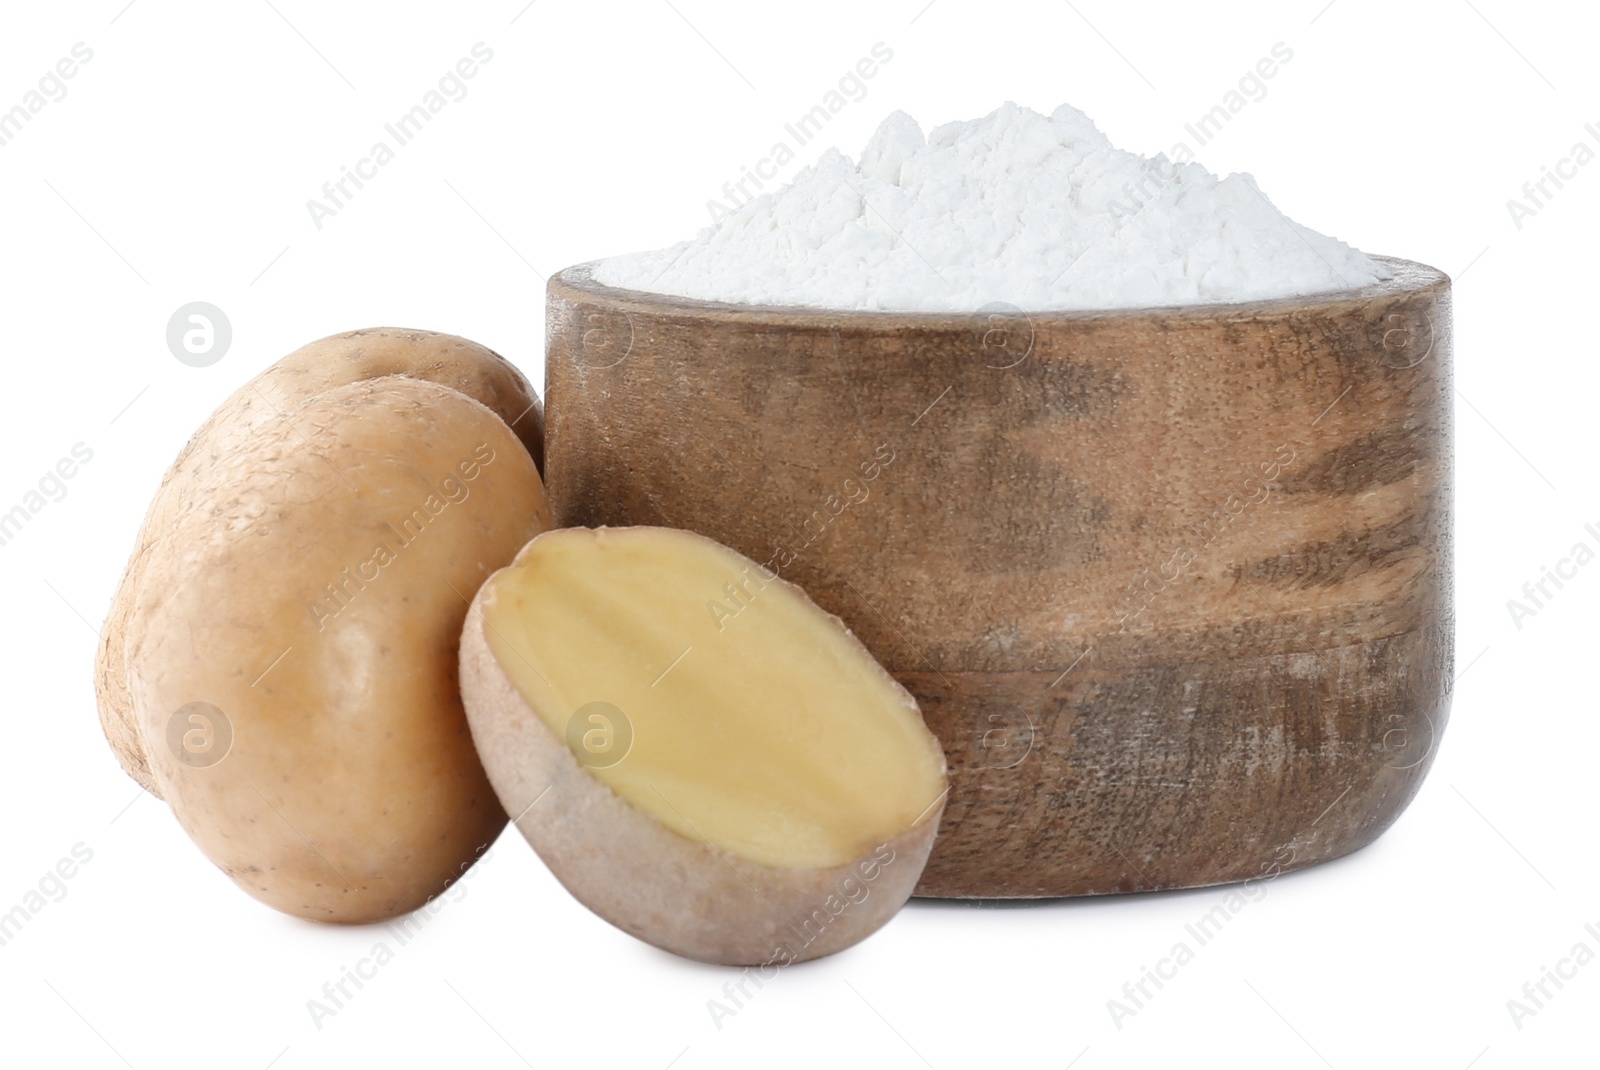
<point x="1037" y="211"/>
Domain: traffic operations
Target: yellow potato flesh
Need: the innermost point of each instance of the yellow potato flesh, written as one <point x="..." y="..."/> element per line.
<point x="758" y="723"/>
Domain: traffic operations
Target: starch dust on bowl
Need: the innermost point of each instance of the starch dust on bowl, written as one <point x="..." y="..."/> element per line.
<point x="1142" y="489"/>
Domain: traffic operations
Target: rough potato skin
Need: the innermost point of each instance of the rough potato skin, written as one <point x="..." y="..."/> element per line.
<point x="323" y="365"/>
<point x="678" y="894"/>
<point x="352" y="792"/>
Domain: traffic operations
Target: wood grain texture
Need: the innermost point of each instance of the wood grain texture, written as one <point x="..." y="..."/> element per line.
<point x="1173" y="587"/>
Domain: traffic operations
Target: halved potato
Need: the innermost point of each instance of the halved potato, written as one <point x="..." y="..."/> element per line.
<point x="700" y="754"/>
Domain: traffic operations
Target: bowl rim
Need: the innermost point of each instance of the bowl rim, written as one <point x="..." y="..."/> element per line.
<point x="576" y="283"/>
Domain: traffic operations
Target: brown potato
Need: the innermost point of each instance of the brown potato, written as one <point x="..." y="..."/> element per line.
<point x="700" y="754"/>
<point x="323" y="365"/>
<point x="291" y="644"/>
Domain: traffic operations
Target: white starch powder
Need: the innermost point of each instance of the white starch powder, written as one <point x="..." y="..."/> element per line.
<point x="1034" y="210"/>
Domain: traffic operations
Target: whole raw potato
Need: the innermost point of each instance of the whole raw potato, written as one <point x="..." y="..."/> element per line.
<point x="292" y="644"/>
<point x="332" y="362"/>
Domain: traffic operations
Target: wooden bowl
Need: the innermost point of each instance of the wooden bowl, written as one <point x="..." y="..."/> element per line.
<point x="1173" y="586"/>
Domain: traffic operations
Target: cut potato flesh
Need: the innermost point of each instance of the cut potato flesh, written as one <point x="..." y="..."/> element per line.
<point x="712" y="696"/>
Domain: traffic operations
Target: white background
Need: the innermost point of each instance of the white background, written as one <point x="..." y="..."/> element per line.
<point x="178" y="168"/>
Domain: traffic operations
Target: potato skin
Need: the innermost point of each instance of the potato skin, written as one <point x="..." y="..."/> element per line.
<point x="323" y="365"/>
<point x="352" y="792"/>
<point x="681" y="895"/>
